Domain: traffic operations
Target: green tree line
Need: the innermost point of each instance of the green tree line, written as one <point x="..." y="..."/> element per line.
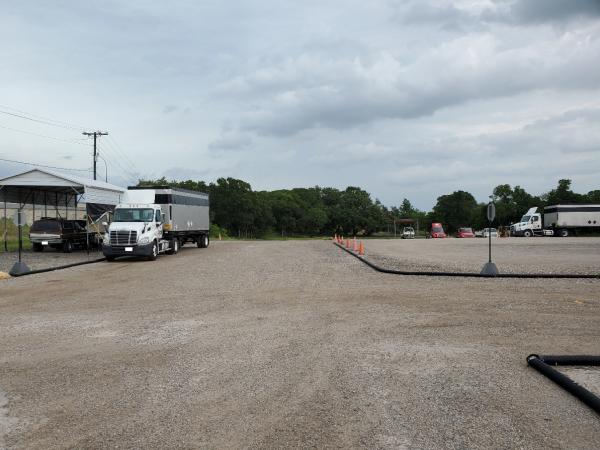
<point x="239" y="211"/>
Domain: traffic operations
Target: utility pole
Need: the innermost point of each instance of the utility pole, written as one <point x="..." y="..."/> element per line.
<point x="95" y="134"/>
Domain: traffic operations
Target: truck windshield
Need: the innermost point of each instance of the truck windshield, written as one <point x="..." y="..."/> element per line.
<point x="437" y="229"/>
<point x="525" y="218"/>
<point x="133" y="215"/>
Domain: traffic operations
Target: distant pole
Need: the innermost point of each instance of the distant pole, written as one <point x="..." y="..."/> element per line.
<point x="490" y="241"/>
<point x="20" y="226"/>
<point x="490" y="268"/>
<point x="95" y="134"/>
<point x="5" y="228"/>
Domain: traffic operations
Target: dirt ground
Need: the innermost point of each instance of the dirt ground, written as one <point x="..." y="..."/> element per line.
<point x="292" y="344"/>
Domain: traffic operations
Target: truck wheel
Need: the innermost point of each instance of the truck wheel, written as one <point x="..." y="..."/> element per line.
<point x="204" y="241"/>
<point x="527" y="233"/>
<point x="173" y="247"/>
<point x="110" y="258"/>
<point x="67" y="246"/>
<point x="37" y="247"/>
<point x="563" y="233"/>
<point x="154" y="253"/>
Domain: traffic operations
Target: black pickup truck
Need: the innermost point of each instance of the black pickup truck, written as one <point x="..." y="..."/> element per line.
<point x="61" y="234"/>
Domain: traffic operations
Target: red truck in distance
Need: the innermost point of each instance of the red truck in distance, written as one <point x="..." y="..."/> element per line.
<point x="437" y="231"/>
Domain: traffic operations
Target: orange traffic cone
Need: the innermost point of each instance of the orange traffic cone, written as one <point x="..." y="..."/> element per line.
<point x="347" y="243"/>
<point x="361" y="249"/>
<point x="355" y="246"/>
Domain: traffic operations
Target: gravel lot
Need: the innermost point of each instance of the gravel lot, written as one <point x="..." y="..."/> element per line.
<point x="580" y="255"/>
<point x="46" y="259"/>
<point x="291" y="344"/>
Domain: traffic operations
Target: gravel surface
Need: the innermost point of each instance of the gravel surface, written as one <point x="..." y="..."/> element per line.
<point x="46" y="259"/>
<point x="288" y="344"/>
<point x="578" y="255"/>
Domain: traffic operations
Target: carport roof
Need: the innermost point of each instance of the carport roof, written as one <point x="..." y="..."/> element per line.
<point x="22" y="187"/>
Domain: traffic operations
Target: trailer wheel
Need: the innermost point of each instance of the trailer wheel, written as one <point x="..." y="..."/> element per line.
<point x="154" y="253"/>
<point x="203" y="242"/>
<point x="563" y="233"/>
<point x="527" y="233"/>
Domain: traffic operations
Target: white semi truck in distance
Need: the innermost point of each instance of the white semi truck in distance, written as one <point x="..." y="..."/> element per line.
<point x="558" y="220"/>
<point x="155" y="220"/>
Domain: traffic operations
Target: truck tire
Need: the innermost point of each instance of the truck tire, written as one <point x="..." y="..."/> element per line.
<point x="37" y="247"/>
<point x="67" y="246"/>
<point x="154" y="253"/>
<point x="173" y="247"/>
<point x="204" y="241"/>
<point x="527" y="233"/>
<point x="110" y="258"/>
<point x="563" y="233"/>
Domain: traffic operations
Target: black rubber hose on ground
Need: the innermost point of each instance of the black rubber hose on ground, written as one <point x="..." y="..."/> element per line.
<point x="541" y="364"/>
<point x="466" y="274"/>
<point x="51" y="269"/>
<point x="571" y="360"/>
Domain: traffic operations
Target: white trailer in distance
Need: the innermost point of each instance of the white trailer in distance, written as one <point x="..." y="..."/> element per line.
<point x="558" y="220"/>
<point x="155" y="220"/>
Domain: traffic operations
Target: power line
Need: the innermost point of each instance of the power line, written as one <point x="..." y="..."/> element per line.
<point x="120" y="154"/>
<point x="118" y="147"/>
<point x="41" y="119"/>
<point x="78" y="142"/>
<point x="42" y="165"/>
<point x="113" y="159"/>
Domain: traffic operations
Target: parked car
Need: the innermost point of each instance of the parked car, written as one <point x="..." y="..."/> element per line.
<point x="465" y="232"/>
<point x="408" y="233"/>
<point x="488" y="231"/>
<point x="478" y="233"/>
<point x="61" y="234"/>
<point x="437" y="231"/>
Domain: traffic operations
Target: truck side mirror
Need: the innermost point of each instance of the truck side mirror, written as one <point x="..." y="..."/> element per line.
<point x="104" y="224"/>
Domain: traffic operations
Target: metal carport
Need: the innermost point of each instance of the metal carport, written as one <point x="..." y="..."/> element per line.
<point x="56" y="190"/>
<point x="50" y="188"/>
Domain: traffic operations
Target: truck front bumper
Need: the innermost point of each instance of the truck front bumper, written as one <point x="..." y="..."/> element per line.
<point x="122" y="250"/>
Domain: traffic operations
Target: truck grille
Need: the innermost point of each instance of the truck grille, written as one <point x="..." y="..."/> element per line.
<point x="123" y="237"/>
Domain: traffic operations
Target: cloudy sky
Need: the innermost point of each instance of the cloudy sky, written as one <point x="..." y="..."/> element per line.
<point x="403" y="98"/>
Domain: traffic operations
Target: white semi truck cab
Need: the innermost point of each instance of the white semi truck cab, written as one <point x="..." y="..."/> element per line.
<point x="156" y="220"/>
<point x="136" y="230"/>
<point x="558" y="220"/>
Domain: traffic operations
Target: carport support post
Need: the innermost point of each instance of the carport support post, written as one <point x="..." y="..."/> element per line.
<point x="20" y="268"/>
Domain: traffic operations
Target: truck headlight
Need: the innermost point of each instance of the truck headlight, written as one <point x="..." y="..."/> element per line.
<point x="144" y="240"/>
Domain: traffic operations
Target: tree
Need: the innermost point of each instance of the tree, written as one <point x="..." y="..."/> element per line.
<point x="455" y="210"/>
<point x="406" y="209"/>
<point x="563" y="194"/>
